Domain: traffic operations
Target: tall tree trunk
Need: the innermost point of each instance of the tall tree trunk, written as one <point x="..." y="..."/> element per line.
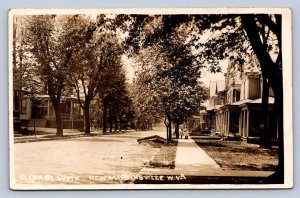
<point x="86" y="112"/>
<point x="278" y="176"/>
<point x="273" y="73"/>
<point x="177" y="129"/>
<point x="279" y="173"/>
<point x="170" y="129"/>
<point x="137" y="125"/>
<point x="110" y="118"/>
<point x="110" y="125"/>
<point x="167" y="127"/>
<point x="58" y="118"/>
<point x="104" y="117"/>
<point x="116" y="125"/>
<point x="265" y="137"/>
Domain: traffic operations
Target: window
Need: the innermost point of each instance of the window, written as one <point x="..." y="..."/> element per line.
<point x="23" y="106"/>
<point x="236" y="95"/>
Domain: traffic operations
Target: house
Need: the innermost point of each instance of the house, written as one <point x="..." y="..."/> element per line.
<point x="237" y="109"/>
<point x="38" y="110"/>
<point x="215" y="101"/>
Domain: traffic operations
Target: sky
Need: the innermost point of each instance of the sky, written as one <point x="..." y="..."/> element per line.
<point x="206" y="76"/>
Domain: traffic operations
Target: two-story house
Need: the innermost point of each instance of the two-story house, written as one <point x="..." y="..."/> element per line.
<point x="39" y="111"/>
<point x="241" y="111"/>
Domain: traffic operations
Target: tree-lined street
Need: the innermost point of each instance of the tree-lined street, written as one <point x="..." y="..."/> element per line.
<point x="82" y="60"/>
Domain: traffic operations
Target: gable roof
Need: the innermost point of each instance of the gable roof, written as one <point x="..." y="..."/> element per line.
<point x="215" y="87"/>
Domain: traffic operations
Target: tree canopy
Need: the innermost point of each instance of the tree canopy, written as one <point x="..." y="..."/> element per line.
<point x="215" y="37"/>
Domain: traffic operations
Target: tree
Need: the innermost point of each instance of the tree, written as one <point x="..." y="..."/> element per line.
<point x="258" y="28"/>
<point x="24" y="71"/>
<point x="144" y="108"/>
<point x="171" y="80"/>
<point x="84" y="71"/>
<point x="112" y="86"/>
<point x="51" y="44"/>
<point x="43" y="46"/>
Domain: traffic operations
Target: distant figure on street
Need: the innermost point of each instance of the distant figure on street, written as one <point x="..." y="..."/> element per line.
<point x="181" y="132"/>
<point x="186" y="133"/>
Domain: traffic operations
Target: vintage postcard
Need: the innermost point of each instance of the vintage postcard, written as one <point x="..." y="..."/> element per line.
<point x="150" y="98"/>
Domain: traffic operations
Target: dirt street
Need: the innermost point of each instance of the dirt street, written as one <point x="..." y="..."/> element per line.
<point x="85" y="160"/>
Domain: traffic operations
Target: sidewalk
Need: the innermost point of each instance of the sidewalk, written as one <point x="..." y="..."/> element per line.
<point x="47" y="134"/>
<point x="191" y="160"/>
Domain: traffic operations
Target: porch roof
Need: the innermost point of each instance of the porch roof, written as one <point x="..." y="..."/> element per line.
<point x="230" y="107"/>
<point x="241" y="102"/>
<point x="39" y="96"/>
<point x="259" y="101"/>
<point x="256" y="104"/>
<point x="212" y="108"/>
<point x="45" y="96"/>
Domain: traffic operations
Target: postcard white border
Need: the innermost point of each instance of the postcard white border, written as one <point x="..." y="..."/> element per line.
<point x="287" y="84"/>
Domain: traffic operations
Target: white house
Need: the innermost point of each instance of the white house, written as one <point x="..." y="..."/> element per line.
<point x="240" y="112"/>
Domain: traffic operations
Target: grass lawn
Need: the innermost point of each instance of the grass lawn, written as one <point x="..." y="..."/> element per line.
<point x="165" y="158"/>
<point x="239" y="155"/>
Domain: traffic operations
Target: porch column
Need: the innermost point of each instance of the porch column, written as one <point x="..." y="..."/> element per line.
<point x="244" y="123"/>
<point x="240" y="123"/>
<point x="224" y="122"/>
<point x="228" y="122"/>
<point x="247" y="126"/>
<point x="223" y="126"/>
<point x="217" y="121"/>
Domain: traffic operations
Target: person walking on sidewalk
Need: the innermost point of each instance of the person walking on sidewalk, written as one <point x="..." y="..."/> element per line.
<point x="186" y="133"/>
<point x="181" y="132"/>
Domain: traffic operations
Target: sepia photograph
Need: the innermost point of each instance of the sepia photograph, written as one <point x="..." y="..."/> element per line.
<point x="150" y="98"/>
